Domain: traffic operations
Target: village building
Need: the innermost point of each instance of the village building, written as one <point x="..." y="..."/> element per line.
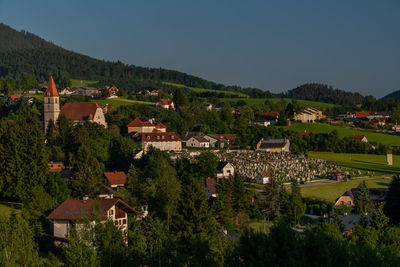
<point x="77" y="111"/>
<point x="273" y="145"/>
<point x="309" y="115"/>
<point x="56" y="166"/>
<point x="14" y="99"/>
<point x="67" y="91"/>
<point x="263" y="177"/>
<point x="198" y="141"/>
<point x="72" y="210"/>
<point x="220" y="140"/>
<point x="154" y="92"/>
<point x="361" y="114"/>
<point x="211" y="185"/>
<point x="271" y="117"/>
<point x="91" y="92"/>
<point x="115" y="178"/>
<point x="225" y="170"/>
<point x="165" y="103"/>
<point x="377" y="195"/>
<point x="166" y="141"/>
<point x="146" y="125"/>
<point x="361" y="138"/>
<point x="207" y="106"/>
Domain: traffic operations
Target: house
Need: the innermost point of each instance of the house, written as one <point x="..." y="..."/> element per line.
<point x="110" y="91"/>
<point x="207" y="106"/>
<point x="187" y="135"/>
<point x="84" y="111"/>
<point x="273" y="145"/>
<point x="198" y="141"/>
<point x="56" y="166"/>
<point x="309" y="115"/>
<point x="146" y="125"/>
<point x="88" y="91"/>
<point x="272" y="117"/>
<point x="72" y="210"/>
<point x="221" y="140"/>
<point x="211" y="185"/>
<point x="361" y="114"/>
<point x="166" y="141"/>
<point x="264" y="123"/>
<point x="67" y="91"/>
<point x="225" y="170"/>
<point x="361" y="138"/>
<point x="165" y="103"/>
<point x="14" y="99"/>
<point x="349" y="221"/>
<point x="377" y="195"/>
<point x="263" y="177"/>
<point x="115" y="179"/>
<point x="154" y="92"/>
<point x="338" y="176"/>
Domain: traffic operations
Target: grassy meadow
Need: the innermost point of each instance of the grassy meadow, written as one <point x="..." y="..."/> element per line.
<point x="331" y="192"/>
<point x="81" y="83"/>
<point x="6" y="209"/>
<point x="201" y="90"/>
<point x="387" y="139"/>
<point x="302" y="103"/>
<point x="365" y="162"/>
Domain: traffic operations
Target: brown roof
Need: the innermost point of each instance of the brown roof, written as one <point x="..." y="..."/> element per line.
<point x="265" y="174"/>
<point x="73" y="208"/>
<point x="116" y="178"/>
<point x="51" y="88"/>
<point x="224" y="137"/>
<point x="358" y="137"/>
<point x="159" y="137"/>
<point x="142" y="122"/>
<point x="272" y="115"/>
<point x="15" y="97"/>
<point x="211" y="184"/>
<point x="56" y="166"/>
<point x="165" y="101"/>
<point x="361" y="114"/>
<point x="200" y="139"/>
<point x="79" y="111"/>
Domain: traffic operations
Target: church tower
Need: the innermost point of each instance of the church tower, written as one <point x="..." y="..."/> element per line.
<point x="51" y="104"/>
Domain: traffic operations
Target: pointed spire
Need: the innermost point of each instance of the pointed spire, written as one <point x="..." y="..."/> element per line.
<point x="51" y="88"/>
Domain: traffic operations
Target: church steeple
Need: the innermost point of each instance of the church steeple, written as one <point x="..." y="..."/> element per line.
<point x="51" y="104"/>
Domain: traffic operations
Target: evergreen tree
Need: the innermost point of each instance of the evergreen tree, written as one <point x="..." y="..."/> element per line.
<point x="206" y="164"/>
<point x="296" y="205"/>
<point x="274" y="198"/>
<point x="363" y="203"/>
<point x="180" y="99"/>
<point x="392" y="206"/>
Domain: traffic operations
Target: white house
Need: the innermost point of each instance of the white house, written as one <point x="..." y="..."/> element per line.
<point x="225" y="170"/>
<point x="198" y="141"/>
<point x="263" y="177"/>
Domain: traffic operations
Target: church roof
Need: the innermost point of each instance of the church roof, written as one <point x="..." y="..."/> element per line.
<point x="80" y="111"/>
<point x="51" y="88"/>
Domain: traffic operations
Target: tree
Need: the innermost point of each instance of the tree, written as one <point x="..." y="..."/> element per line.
<point x="206" y="164"/>
<point x="362" y="201"/>
<point x="7" y="85"/>
<point x="275" y="198"/>
<point x="296" y="205"/>
<point x="180" y="98"/>
<point x="64" y="82"/>
<point x="392" y="206"/>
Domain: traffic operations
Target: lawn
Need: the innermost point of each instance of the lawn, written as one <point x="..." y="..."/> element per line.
<point x="120" y="102"/>
<point x="365" y="162"/>
<point x="302" y="103"/>
<point x="387" y="139"/>
<point x="201" y="90"/>
<point x="331" y="192"/>
<point x="6" y="209"/>
<point x="81" y="83"/>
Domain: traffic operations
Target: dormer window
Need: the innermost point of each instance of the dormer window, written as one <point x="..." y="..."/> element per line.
<point x="172" y="137"/>
<point x="158" y="137"/>
<point x="148" y="137"/>
<point x="163" y="137"/>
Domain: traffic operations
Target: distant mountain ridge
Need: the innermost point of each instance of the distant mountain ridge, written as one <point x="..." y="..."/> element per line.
<point x="393" y="95"/>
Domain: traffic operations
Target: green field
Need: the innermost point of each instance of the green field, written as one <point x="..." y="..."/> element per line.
<point x="331" y="192"/>
<point x="200" y="90"/>
<point x="120" y="102"/>
<point x="365" y="162"/>
<point x="81" y="83"/>
<point x="302" y="103"/>
<point x="387" y="139"/>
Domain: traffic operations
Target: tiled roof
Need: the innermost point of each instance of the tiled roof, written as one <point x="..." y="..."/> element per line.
<point x="15" y="97"/>
<point x="265" y="174"/>
<point x="224" y="137"/>
<point x="273" y="143"/>
<point x="358" y="137"/>
<point x="200" y="139"/>
<point x="51" y="88"/>
<point x="159" y="137"/>
<point x="79" y="111"/>
<point x="142" y="122"/>
<point x="165" y="101"/>
<point x="116" y="178"/>
<point x="73" y="208"/>
<point x="211" y="184"/>
<point x="270" y="115"/>
<point x="361" y="114"/>
<point x="56" y="166"/>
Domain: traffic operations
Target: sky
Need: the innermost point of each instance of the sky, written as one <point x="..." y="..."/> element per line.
<point x="277" y="45"/>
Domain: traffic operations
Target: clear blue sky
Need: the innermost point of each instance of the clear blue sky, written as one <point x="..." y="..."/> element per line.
<point x="275" y="45"/>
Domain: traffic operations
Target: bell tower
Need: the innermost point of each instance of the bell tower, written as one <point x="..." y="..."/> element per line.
<point x="51" y="104"/>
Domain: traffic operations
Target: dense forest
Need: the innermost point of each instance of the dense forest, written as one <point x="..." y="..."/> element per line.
<point x="394" y="95"/>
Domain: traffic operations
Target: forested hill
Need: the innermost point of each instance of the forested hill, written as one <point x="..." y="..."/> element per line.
<point x="325" y="93"/>
<point x="394" y="95"/>
<point x="23" y="52"/>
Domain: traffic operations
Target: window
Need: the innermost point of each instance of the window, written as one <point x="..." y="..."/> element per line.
<point x="56" y="100"/>
<point x="148" y="137"/>
<point x="341" y="202"/>
<point x="48" y="100"/>
<point x="111" y="212"/>
<point x="172" y="137"/>
<point x="158" y="137"/>
<point x="348" y="202"/>
<point x="163" y="137"/>
<point x="124" y="221"/>
<point x="116" y="222"/>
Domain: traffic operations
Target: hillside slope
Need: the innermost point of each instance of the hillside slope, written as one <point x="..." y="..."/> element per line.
<point x="393" y="95"/>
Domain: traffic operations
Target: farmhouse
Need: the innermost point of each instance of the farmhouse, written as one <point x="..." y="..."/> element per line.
<point x="263" y="177"/>
<point x="115" y="179"/>
<point x="225" y="170"/>
<point x="273" y="145"/>
<point x="198" y="141"/>
<point x="309" y="115"/>
<point x="14" y="99"/>
<point x="166" y="141"/>
<point x="146" y="125"/>
<point x="87" y="91"/>
<point x="72" y="210"/>
<point x="377" y="195"/>
<point x="165" y="103"/>
<point x="361" y="138"/>
<point x="220" y="140"/>
<point x="56" y="166"/>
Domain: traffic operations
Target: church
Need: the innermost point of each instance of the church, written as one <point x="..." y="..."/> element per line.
<point x="77" y="111"/>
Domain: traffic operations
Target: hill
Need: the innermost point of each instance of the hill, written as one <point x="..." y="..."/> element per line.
<point x="393" y="95"/>
<point x="23" y="52"/>
<point x="324" y="93"/>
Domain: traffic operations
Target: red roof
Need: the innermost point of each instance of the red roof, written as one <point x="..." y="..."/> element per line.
<point x="358" y="137"/>
<point x="56" y="166"/>
<point x="15" y="97"/>
<point x="51" y="88"/>
<point x="273" y="115"/>
<point x="165" y="101"/>
<point x="361" y="114"/>
<point x="159" y="137"/>
<point x="79" y="111"/>
<point x="265" y="174"/>
<point x="116" y="178"/>
<point x="212" y="184"/>
<point x="306" y="132"/>
<point x="73" y="208"/>
<point x="143" y="122"/>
